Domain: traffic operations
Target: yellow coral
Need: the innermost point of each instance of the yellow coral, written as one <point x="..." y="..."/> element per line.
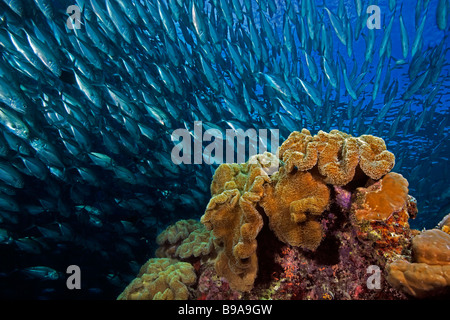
<point x="299" y="151"/>
<point x="383" y="198"/>
<point x="199" y="243"/>
<point x="292" y="201"/>
<point x="234" y="219"/>
<point x="161" y="279"/>
<point x="185" y="239"/>
<point x="338" y="156"/>
<point x="446" y="229"/>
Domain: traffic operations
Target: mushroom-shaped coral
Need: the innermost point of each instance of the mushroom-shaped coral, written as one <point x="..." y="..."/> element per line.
<point x="161" y="279"/>
<point x="337" y="155"/>
<point x="292" y="202"/>
<point x="198" y="244"/>
<point x="233" y="217"/>
<point x="429" y="274"/>
<point x="299" y="151"/>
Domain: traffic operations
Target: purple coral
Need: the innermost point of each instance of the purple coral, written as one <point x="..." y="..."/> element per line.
<point x="343" y="197"/>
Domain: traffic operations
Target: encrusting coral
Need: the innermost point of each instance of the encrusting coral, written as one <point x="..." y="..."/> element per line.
<point x="161" y="279"/>
<point x="382" y="199"/>
<point x="432" y="247"/>
<point x="380" y="213"/>
<point x="419" y="280"/>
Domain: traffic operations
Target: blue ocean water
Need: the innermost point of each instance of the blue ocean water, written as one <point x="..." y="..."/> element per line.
<point x="91" y="182"/>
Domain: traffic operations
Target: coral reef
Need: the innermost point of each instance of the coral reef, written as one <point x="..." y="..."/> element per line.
<point x="324" y="219"/>
<point x="161" y="279"/>
<point x="292" y="199"/>
<point x="428" y="274"/>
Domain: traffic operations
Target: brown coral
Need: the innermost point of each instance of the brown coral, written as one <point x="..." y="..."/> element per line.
<point x="432" y="247"/>
<point x="161" y="279"/>
<point x="292" y="202"/>
<point x="429" y="274"/>
<point x="420" y="280"/>
<point x="234" y="219"/>
<point x="337" y="155"/>
<point x="374" y="160"/>
<point x="381" y="199"/>
<point x="444" y="225"/>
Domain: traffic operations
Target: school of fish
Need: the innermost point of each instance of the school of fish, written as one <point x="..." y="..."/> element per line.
<point x="91" y="91"/>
